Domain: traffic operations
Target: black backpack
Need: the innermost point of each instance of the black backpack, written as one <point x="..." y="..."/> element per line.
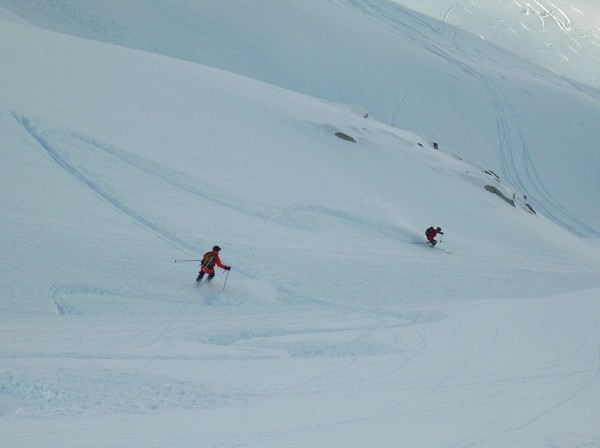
<point x="428" y="231"/>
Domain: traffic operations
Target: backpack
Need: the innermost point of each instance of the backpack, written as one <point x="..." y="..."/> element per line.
<point x="428" y="231"/>
<point x="208" y="260"/>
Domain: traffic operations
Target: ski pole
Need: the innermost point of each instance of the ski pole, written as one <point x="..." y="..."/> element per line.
<point x="185" y="261"/>
<point x="226" y="277"/>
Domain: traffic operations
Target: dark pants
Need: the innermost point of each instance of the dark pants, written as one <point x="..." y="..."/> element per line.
<point x="201" y="274"/>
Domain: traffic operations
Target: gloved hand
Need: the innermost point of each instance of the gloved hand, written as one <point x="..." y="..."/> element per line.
<point x="227" y="268"/>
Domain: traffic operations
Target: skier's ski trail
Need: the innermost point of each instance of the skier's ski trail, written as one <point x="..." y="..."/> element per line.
<point x="112" y="199"/>
<point x="511" y="140"/>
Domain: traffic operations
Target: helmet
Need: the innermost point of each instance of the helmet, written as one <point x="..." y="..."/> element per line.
<point x="439" y="228"/>
<point x="217" y="248"/>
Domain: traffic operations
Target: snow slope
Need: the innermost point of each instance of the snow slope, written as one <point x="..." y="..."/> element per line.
<point x="334" y="329"/>
<point x="529" y="88"/>
<point x="563" y="37"/>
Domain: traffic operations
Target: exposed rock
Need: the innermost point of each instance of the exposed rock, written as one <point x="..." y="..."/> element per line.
<point x="344" y="137"/>
<point x="494" y="190"/>
<point x="491" y="173"/>
<point x="531" y="210"/>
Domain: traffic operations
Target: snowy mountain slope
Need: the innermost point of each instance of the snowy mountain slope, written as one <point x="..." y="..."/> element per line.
<point x="165" y="162"/>
<point x="563" y="37"/>
<point x="333" y="329"/>
<point x="414" y="71"/>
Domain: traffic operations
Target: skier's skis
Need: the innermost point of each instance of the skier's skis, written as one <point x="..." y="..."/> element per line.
<point x="429" y="244"/>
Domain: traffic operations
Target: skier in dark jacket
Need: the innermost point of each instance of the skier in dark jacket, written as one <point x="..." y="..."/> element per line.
<point x="431" y="233"/>
<point x="209" y="260"/>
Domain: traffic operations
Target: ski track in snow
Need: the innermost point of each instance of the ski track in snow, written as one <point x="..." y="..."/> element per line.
<point x="106" y="391"/>
<point x="63" y="392"/>
<point x="84" y="176"/>
<point x="547" y="10"/>
<point x="87" y="388"/>
<point x="111" y="198"/>
<point x="534" y="384"/>
<point x="296" y="216"/>
<point x="516" y="162"/>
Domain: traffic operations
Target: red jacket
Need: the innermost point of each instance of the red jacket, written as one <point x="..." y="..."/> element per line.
<point x="432" y="234"/>
<point x="217" y="261"/>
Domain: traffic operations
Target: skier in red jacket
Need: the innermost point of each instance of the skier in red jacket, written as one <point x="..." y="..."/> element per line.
<point x="431" y="233"/>
<point x="209" y="260"/>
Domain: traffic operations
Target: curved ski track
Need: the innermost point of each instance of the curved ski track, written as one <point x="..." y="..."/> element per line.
<point x="96" y="188"/>
<point x="515" y="158"/>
